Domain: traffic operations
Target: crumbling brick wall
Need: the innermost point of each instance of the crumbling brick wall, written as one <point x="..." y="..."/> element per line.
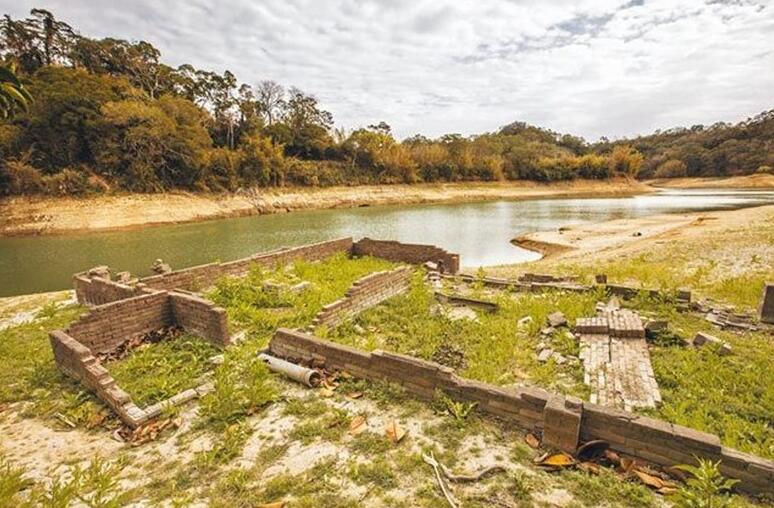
<point x="200" y="317"/>
<point x="564" y="421"/>
<point x="98" y="290"/>
<point x="77" y="361"/>
<point x="411" y="253"/>
<point x="199" y="277"/>
<point x="364" y="293"/>
<point x="106" y="326"/>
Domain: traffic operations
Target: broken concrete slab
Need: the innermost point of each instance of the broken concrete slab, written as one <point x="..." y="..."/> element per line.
<point x="766" y="312"/>
<point x="557" y="319"/>
<point x="704" y="338"/>
<point x="545" y="354"/>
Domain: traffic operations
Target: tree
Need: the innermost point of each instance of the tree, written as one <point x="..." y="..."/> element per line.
<point x="270" y="98"/>
<point x="307" y="125"/>
<point x="13" y="95"/>
<point x="625" y="160"/>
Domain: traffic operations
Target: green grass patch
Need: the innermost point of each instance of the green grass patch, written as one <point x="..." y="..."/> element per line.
<point x="158" y="371"/>
<point x="260" y="308"/>
<point x="495" y="348"/>
<point x="28" y="372"/>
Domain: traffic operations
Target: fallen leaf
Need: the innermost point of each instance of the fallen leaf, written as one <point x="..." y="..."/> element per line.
<point x="667" y="490"/>
<point x="96" y="419"/>
<point x="557" y="460"/>
<point x="590" y="467"/>
<point x="326" y="392"/>
<point x="676" y="473"/>
<point x="278" y="504"/>
<point x="627" y="464"/>
<point x="613" y="457"/>
<point x="394" y="432"/>
<point x="532" y="441"/>
<point x="355" y="395"/>
<point x="653" y="481"/>
<point x="357" y="425"/>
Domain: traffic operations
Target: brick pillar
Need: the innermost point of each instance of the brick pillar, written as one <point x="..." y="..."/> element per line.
<point x="562" y="422"/>
<point x="767" y="305"/>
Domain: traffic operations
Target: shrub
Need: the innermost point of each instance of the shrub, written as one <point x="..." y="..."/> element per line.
<point x="68" y="182"/>
<point x="673" y="168"/>
<point x="18" y="177"/>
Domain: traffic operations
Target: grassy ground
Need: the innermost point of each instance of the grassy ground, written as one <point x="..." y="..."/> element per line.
<point x="494" y="347"/>
<point x="158" y="371"/>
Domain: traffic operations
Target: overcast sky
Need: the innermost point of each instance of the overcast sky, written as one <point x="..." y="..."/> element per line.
<point x="594" y="68"/>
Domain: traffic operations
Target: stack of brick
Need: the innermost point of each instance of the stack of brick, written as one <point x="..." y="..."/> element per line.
<point x="365" y="293"/>
<point x="616" y="360"/>
<point x="563" y="421"/>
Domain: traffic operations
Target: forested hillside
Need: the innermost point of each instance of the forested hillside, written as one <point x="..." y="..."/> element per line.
<point x="109" y="115"/>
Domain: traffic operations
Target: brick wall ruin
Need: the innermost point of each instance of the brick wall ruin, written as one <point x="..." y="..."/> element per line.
<point x="410" y="253"/>
<point x="107" y="326"/>
<point x="203" y="276"/>
<point x="122" y="311"/>
<point x="92" y="290"/>
<point x="364" y="293"/>
<point x="563" y="421"/>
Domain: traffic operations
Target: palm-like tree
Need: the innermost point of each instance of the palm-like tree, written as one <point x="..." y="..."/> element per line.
<point x="13" y="95"/>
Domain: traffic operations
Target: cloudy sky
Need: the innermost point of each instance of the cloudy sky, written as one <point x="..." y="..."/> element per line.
<point x="595" y="68"/>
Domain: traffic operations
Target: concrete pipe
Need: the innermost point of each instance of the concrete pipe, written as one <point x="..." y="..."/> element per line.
<point x="309" y="377"/>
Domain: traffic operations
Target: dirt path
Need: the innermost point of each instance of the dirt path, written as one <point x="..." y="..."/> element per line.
<point x="35" y="216"/>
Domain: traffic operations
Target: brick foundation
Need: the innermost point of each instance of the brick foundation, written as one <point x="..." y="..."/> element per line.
<point x="106" y="326"/>
<point x="98" y="290"/>
<point x="564" y="421"/>
<point x="364" y="293"/>
<point x="203" y="276"/>
<point x="410" y="253"/>
<point x="200" y="317"/>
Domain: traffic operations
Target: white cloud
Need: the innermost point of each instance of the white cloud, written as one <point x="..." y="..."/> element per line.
<point x="611" y="67"/>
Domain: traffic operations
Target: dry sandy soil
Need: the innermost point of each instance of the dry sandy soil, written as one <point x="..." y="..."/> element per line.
<point x="33" y="216"/>
<point x="613" y="238"/>
<point x="762" y="181"/>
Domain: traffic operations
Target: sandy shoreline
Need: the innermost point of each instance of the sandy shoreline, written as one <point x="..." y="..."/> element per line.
<point x="613" y="238"/>
<point x="43" y="216"/>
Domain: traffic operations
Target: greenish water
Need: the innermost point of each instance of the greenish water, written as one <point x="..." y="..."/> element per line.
<point x="479" y="232"/>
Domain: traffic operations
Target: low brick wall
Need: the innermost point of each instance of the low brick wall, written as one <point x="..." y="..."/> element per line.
<point x="366" y="292"/>
<point x="564" y="421"/>
<point x="202" y="276"/>
<point x="106" y="326"/>
<point x="98" y="291"/>
<point x="411" y="253"/>
<point x="77" y="361"/>
<point x="201" y="317"/>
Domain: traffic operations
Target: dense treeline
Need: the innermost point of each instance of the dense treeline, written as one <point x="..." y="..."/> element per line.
<point x="718" y="150"/>
<point x="108" y="114"/>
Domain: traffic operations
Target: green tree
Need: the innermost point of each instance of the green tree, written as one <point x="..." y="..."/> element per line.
<point x="14" y="96"/>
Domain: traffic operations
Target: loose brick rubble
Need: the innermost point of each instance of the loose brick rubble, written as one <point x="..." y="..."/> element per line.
<point x="616" y="360"/>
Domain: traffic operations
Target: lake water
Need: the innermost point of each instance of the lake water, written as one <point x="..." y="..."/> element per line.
<point x="480" y="232"/>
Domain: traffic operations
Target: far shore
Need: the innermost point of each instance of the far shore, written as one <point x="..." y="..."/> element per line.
<point x="44" y="216"/>
<point x="25" y="216"/>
